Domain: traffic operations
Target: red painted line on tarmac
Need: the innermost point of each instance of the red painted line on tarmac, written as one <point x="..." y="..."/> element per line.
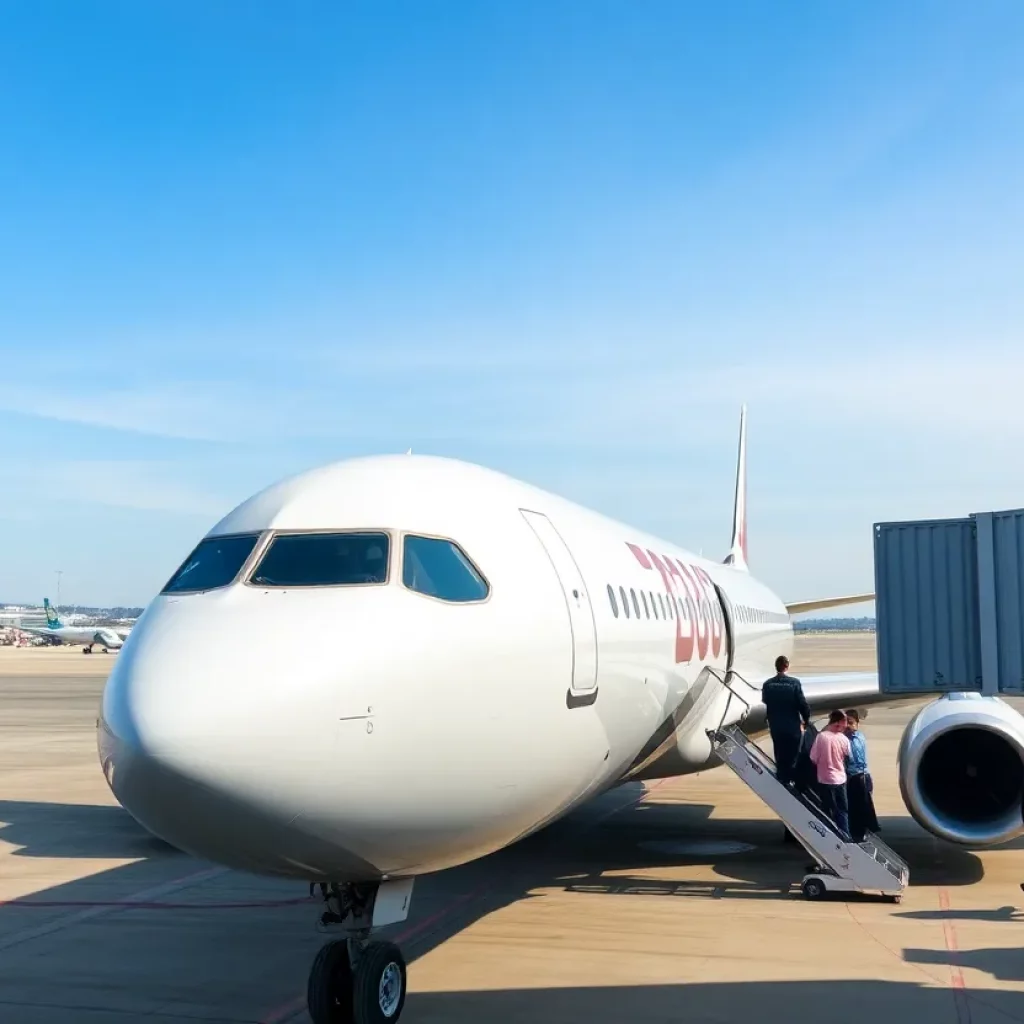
<point x="65" y="921"/>
<point x="963" y="1006"/>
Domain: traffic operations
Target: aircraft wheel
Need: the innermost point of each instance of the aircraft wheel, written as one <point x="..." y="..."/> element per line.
<point x="329" y="990"/>
<point x="813" y="888"/>
<point x="379" y="994"/>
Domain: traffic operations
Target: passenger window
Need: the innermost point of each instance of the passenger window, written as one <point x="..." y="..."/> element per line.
<point x="213" y="563"/>
<point x="611" y="601"/>
<point x="636" y="603"/>
<point x="440" y="568"/>
<point x="647" y="611"/>
<point x="661" y="602"/>
<point x="625" y="602"/>
<point x="654" y="605"/>
<point x="324" y="560"/>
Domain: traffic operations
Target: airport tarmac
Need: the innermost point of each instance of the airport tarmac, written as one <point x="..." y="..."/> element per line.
<point x="677" y="902"/>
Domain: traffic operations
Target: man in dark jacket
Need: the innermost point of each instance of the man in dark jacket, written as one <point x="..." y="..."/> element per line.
<point x="788" y="713"/>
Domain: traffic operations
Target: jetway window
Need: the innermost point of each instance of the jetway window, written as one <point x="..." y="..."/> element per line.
<point x="612" y="602"/>
<point x="214" y="563"/>
<point x="440" y="568"/>
<point x="324" y="560"/>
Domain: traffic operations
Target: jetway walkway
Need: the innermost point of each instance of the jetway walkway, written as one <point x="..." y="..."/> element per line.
<point x="841" y="864"/>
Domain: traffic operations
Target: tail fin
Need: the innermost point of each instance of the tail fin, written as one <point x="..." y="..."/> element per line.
<point x="737" y="556"/>
<point x="52" y="618"/>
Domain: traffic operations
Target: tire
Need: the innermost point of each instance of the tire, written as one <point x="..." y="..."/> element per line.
<point x="380" y="984"/>
<point x="813" y="888"/>
<point x="329" y="990"/>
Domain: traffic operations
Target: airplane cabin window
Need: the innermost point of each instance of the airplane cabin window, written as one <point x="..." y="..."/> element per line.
<point x="636" y="603"/>
<point x="611" y="601"/>
<point x="625" y="602"/>
<point x="439" y="568"/>
<point x="324" y="560"/>
<point x="214" y="563"/>
<point x="647" y="611"/>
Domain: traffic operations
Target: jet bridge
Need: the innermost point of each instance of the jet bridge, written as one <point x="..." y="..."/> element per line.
<point x="950" y="604"/>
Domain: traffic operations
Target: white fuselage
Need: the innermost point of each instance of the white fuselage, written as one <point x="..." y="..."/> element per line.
<point x="411" y="734"/>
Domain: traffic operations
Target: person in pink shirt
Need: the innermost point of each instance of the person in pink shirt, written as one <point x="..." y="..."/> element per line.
<point x="829" y="753"/>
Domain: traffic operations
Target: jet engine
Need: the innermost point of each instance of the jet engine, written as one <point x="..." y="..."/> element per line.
<point x="961" y="769"/>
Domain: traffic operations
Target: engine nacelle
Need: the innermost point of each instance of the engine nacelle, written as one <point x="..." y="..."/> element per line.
<point x="961" y="769"/>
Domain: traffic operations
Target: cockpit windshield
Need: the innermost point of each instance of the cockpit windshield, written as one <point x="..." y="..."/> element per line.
<point x="439" y="568"/>
<point x="324" y="560"/>
<point x="214" y="563"/>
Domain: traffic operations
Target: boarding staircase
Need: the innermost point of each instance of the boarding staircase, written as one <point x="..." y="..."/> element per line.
<point x="841" y="864"/>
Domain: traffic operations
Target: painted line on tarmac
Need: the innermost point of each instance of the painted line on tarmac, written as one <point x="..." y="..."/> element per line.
<point x="126" y="903"/>
<point x="960" y="997"/>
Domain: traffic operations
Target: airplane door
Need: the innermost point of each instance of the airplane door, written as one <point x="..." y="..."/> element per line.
<point x="577" y="599"/>
<point x="730" y="631"/>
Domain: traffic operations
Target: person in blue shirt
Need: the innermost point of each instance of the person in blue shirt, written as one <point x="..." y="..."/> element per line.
<point x="858" y="781"/>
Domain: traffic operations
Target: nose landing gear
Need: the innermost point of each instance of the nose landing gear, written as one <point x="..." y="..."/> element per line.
<point x="353" y="980"/>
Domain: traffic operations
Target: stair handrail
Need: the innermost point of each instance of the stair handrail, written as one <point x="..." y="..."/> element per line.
<point x="725" y="678"/>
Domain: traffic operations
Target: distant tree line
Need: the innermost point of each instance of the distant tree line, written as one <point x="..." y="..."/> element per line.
<point x="120" y="612"/>
<point x="864" y="624"/>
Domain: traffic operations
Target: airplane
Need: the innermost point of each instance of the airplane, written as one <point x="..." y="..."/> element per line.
<point x="54" y="630"/>
<point x="485" y="656"/>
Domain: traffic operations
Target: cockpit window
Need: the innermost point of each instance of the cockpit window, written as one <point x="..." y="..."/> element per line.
<point x="214" y="563"/>
<point x="324" y="560"/>
<point x="439" y="568"/>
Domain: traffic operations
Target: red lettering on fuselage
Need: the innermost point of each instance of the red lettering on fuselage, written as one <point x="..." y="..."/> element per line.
<point x="698" y="601"/>
<point x="715" y="608"/>
<point x="684" y="644"/>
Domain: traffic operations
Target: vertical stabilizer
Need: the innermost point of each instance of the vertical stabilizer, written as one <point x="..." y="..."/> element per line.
<point x="52" y="619"/>
<point x="737" y="556"/>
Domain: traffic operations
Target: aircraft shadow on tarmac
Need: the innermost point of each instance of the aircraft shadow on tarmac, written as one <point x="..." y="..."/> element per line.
<point x="773" y="1002"/>
<point x="1011" y="915"/>
<point x="603" y="847"/>
<point x="87" y="831"/>
<point x="1002" y="964"/>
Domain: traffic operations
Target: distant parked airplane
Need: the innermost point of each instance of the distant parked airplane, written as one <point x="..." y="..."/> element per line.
<point x="108" y="639"/>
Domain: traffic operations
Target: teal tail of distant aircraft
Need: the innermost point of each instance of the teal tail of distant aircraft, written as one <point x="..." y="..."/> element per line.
<point x="52" y="619"/>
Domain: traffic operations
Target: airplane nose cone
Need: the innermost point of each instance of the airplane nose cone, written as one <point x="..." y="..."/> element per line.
<point x="194" y="746"/>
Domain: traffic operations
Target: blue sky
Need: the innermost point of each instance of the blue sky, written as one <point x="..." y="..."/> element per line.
<point x="566" y="240"/>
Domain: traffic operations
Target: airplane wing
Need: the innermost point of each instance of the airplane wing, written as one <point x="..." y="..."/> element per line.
<point x="797" y="607"/>
<point x="826" y="692"/>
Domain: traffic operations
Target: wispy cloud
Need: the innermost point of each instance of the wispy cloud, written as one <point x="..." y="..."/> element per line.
<point x="150" y="486"/>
